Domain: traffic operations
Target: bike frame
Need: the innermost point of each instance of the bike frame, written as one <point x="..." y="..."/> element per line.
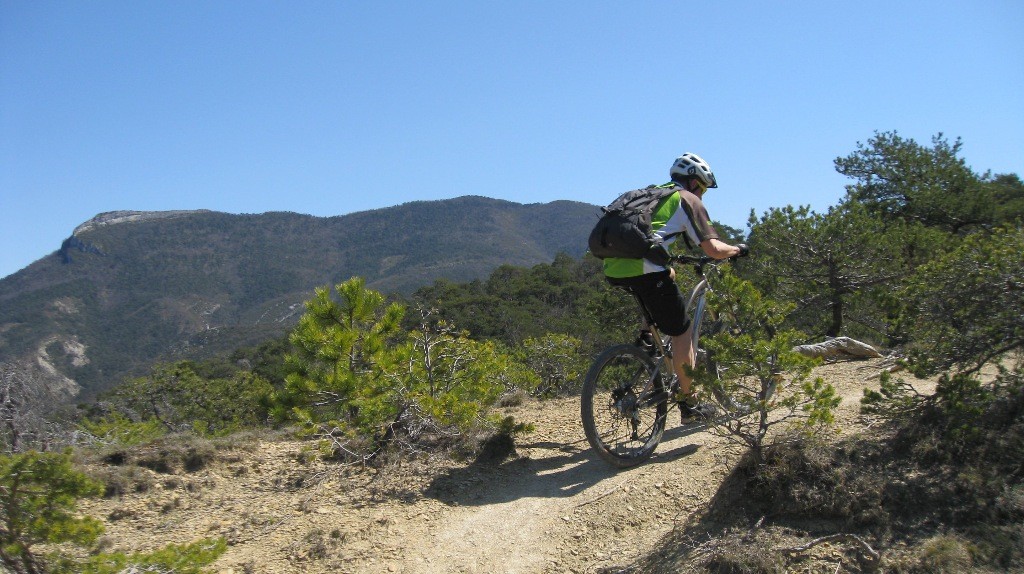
<point x="697" y="301"/>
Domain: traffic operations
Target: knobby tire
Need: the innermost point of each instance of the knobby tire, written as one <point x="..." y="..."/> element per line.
<point x="623" y="421"/>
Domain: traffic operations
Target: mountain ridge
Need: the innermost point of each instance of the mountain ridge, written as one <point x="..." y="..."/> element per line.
<point x="130" y="287"/>
<point x="123" y="216"/>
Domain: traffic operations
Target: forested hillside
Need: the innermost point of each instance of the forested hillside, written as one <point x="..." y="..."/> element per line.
<point x="128" y="288"/>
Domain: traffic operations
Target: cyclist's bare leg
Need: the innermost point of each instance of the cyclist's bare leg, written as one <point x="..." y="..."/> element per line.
<point x="683" y="356"/>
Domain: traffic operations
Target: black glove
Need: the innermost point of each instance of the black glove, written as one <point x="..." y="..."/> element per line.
<point x="744" y="251"/>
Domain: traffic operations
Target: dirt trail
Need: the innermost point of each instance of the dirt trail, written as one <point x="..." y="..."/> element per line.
<point x="552" y="508"/>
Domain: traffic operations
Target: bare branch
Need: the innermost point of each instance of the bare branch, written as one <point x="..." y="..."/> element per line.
<point x="873" y="557"/>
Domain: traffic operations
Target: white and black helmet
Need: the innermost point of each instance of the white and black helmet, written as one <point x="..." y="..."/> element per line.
<point x="691" y="165"/>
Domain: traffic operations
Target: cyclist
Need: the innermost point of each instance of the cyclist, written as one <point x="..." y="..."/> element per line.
<point x="681" y="214"/>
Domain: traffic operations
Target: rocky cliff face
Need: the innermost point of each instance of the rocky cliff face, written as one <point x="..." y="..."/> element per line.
<point x="72" y="244"/>
<point x="75" y="243"/>
<point x="115" y="217"/>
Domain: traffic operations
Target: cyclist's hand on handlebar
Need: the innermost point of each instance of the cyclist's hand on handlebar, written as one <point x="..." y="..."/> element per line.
<point x="744" y="251"/>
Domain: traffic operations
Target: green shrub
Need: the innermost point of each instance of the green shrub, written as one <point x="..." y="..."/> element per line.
<point x="38" y="496"/>
<point x="964" y="308"/>
<point x="175" y="398"/>
<point x="118" y="429"/>
<point x="362" y="385"/>
<point x="176" y="558"/>
<point x="755" y="355"/>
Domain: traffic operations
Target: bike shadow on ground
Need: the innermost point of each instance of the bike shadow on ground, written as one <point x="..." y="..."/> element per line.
<point x="664" y="454"/>
<point x="552" y="470"/>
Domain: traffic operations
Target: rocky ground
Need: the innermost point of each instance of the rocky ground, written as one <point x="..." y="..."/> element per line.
<point x="553" y="507"/>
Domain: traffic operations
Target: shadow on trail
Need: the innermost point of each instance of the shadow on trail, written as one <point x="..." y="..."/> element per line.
<point x="572" y="469"/>
<point x="683" y="431"/>
<point x="563" y="471"/>
<point x="663" y="455"/>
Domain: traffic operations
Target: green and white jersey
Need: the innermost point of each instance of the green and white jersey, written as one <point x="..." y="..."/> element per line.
<point x="681" y="213"/>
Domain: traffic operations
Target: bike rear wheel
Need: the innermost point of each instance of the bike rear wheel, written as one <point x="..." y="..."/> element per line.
<point x="624" y="405"/>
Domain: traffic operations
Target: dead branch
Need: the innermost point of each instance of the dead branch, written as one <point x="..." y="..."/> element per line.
<point x="839" y="347"/>
<point x="873" y="557"/>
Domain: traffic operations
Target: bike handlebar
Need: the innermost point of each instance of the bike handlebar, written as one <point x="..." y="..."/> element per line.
<point x="702" y="260"/>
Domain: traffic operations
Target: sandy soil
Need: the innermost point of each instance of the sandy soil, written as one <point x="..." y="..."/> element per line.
<point x="554" y="507"/>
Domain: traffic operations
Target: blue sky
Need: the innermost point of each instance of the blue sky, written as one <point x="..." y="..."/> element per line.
<point x="328" y="108"/>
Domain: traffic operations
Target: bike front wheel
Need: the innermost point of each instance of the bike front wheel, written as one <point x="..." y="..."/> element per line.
<point x="624" y="405"/>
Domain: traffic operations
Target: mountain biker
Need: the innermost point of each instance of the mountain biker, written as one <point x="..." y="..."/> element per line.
<point x="681" y="214"/>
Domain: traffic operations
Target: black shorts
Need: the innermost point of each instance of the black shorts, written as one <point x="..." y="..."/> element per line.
<point x="663" y="299"/>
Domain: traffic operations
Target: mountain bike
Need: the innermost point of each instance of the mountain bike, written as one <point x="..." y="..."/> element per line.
<point x="628" y="389"/>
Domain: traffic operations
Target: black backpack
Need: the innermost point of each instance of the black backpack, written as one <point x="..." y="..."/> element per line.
<point x="625" y="228"/>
